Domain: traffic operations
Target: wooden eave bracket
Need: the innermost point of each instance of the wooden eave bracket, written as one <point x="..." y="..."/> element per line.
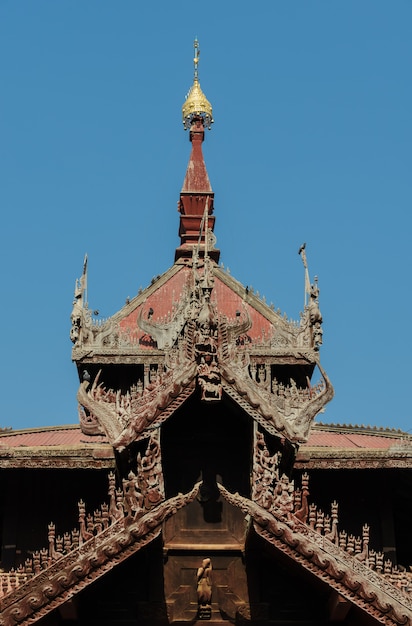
<point x="338" y="607"/>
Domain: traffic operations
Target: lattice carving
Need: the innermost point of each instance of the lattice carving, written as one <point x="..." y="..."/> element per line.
<point x="138" y="495"/>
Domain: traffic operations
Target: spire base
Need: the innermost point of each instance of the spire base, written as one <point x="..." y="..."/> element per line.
<point x="184" y="253"/>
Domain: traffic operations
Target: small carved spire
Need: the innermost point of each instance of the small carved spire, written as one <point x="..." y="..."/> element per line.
<point x="312" y="314"/>
<point x="79" y="303"/>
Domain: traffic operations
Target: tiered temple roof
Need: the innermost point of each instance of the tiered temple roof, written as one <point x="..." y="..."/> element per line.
<point x="202" y="398"/>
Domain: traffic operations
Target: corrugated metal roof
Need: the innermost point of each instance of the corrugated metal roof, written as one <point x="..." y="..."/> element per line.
<point x="68" y="436"/>
<point x="63" y="436"/>
<point x="328" y="439"/>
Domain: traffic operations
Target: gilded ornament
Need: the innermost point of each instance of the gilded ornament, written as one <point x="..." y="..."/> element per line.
<point x="196" y="103"/>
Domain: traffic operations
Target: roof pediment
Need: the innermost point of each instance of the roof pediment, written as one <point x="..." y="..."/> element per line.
<point x="348" y="575"/>
<point x="163" y="307"/>
<point x="68" y="574"/>
<point x="200" y="328"/>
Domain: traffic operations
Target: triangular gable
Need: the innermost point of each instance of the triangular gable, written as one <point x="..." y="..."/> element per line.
<point x="71" y="573"/>
<point x="161" y="302"/>
<point x="352" y="579"/>
<point x="198" y="326"/>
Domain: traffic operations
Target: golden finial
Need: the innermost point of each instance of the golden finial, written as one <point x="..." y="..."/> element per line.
<point x="196" y="103"/>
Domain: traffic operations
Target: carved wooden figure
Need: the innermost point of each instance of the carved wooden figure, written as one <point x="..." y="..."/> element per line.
<point x="204" y="589"/>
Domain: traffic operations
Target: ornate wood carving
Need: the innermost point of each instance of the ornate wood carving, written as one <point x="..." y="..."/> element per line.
<point x="197" y="344"/>
<point x="51" y="580"/>
<point x="204" y="589"/>
<point x="125" y="417"/>
<point x="202" y="346"/>
<point x="354" y="580"/>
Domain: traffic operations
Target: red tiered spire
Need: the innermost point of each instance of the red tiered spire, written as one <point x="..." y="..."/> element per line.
<point x="196" y="198"/>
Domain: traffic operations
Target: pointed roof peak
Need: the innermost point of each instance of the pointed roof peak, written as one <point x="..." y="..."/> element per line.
<point x="196" y="196"/>
<point x="196" y="178"/>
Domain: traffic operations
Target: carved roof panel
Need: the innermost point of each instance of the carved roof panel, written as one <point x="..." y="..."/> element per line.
<point x="166" y="303"/>
<point x="230" y="303"/>
<point x="159" y="301"/>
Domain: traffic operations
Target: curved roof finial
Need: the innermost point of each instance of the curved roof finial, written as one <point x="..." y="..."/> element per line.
<point x="196" y="103"/>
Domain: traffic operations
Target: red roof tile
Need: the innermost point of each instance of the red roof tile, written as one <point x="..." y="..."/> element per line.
<point x="320" y="437"/>
<point x="64" y="436"/>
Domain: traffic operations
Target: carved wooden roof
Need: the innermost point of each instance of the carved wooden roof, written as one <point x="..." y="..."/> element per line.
<point x="42" y="590"/>
<point x="355" y="447"/>
<point x="195" y="333"/>
<point x="162" y="301"/>
<point x="196" y="330"/>
<point x="196" y="327"/>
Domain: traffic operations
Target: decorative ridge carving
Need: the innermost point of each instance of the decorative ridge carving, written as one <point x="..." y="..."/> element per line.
<point x="293" y="419"/>
<point x="201" y="346"/>
<point x="123" y="419"/>
<point x="304" y="334"/>
<point x="312" y="314"/>
<point x="381" y="431"/>
<point x="88" y="332"/>
<point x="356" y="459"/>
<point x="354" y="580"/>
<point x="156" y="283"/>
<point x="76" y="570"/>
<point x="80" y="313"/>
<point x="253" y="299"/>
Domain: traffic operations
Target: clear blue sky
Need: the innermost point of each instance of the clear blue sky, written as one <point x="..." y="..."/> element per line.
<point x="311" y="142"/>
